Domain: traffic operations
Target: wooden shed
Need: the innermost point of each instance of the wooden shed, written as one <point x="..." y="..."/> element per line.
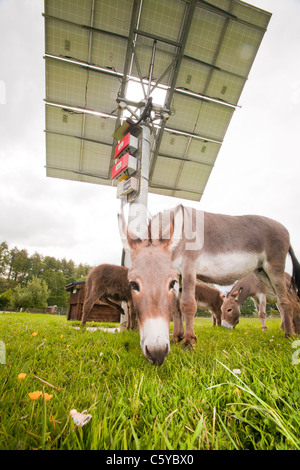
<point x="99" y="312"/>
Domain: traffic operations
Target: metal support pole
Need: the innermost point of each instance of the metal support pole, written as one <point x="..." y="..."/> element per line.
<point x="138" y="208"/>
<point x="137" y="218"/>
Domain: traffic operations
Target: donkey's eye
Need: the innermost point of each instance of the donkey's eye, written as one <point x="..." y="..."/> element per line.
<point x="172" y="284"/>
<point x="135" y="286"/>
<point x="229" y="310"/>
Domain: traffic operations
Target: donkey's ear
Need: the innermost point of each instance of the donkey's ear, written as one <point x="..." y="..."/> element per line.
<point x="129" y="239"/>
<point x="176" y="227"/>
<point x="166" y="228"/>
<point x="236" y="294"/>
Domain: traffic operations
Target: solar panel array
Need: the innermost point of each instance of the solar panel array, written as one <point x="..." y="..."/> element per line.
<point x="93" y="48"/>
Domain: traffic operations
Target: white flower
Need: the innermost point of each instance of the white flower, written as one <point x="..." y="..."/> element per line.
<point x="80" y="419"/>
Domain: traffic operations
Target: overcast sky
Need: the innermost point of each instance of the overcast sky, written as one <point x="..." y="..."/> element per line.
<point x="257" y="170"/>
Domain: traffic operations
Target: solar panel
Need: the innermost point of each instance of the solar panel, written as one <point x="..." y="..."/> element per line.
<point x="94" y="48"/>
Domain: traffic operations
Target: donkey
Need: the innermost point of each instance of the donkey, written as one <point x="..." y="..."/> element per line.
<point x="107" y="283"/>
<point x="211" y="298"/>
<point x="207" y="297"/>
<point x="218" y="248"/>
<point x="251" y="286"/>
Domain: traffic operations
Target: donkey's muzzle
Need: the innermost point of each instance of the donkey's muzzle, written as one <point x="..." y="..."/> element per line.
<point x="157" y="355"/>
<point x="155" y="342"/>
<point x="226" y="324"/>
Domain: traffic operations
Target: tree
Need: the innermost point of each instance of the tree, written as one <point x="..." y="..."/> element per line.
<point x="52" y="263"/>
<point x="56" y="282"/>
<point x="248" y="307"/>
<point x="272" y="309"/>
<point x="68" y="269"/>
<point x="18" y="268"/>
<point x="82" y="271"/>
<point x="6" y="299"/>
<point x="34" y="295"/>
<point x="4" y="258"/>
<point x="19" y="264"/>
<point x="6" y="284"/>
<point x="36" y="265"/>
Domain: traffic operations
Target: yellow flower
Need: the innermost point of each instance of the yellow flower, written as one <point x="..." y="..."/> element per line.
<point x="35" y="395"/>
<point x="237" y="391"/>
<point x="47" y="396"/>
<point x="34" y="333"/>
<point x="68" y="345"/>
<point x="246" y="332"/>
<point x="61" y="336"/>
<point x="21" y="376"/>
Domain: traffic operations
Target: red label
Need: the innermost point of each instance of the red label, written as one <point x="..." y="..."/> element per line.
<point x="122" y="145"/>
<point x="120" y="166"/>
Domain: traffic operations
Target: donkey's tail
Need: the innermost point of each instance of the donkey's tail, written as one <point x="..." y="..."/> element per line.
<point x="296" y="271"/>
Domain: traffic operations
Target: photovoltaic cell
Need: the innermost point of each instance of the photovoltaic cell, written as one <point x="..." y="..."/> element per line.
<point x="94" y="48"/>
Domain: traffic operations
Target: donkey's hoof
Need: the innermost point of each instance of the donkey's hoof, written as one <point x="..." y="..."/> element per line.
<point x="290" y="335"/>
<point x="264" y="328"/>
<point x="188" y="345"/>
<point x="176" y="339"/>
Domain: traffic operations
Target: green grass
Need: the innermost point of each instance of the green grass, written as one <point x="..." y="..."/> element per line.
<point x="193" y="401"/>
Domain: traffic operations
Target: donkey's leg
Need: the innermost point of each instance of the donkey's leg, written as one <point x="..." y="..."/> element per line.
<point x="132" y="316"/>
<point x="87" y="306"/>
<point x="178" y="323"/>
<point x="277" y="282"/>
<point x="296" y="317"/>
<point x="261" y="306"/>
<point x="217" y="316"/>
<point x="281" y="324"/>
<point x="287" y="317"/>
<point x="296" y="308"/>
<point x="188" y="305"/>
<point x="106" y="299"/>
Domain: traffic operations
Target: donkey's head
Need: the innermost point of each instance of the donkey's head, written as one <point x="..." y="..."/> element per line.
<point x="154" y="287"/>
<point x="231" y="309"/>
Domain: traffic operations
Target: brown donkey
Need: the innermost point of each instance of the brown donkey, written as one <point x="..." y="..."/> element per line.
<point x="210" y="298"/>
<point x="251" y="286"/>
<point x="108" y="283"/>
<point x="219" y="249"/>
<point x="207" y="297"/>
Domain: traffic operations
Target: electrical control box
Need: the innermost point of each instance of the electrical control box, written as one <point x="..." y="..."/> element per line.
<point x="126" y="187"/>
<point x="128" y="144"/>
<point x="124" y="167"/>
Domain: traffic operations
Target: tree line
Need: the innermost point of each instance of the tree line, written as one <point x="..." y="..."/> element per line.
<point x="35" y="281"/>
<point x="39" y="281"/>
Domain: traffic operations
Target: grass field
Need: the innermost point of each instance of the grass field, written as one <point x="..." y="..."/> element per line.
<point x="193" y="401"/>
